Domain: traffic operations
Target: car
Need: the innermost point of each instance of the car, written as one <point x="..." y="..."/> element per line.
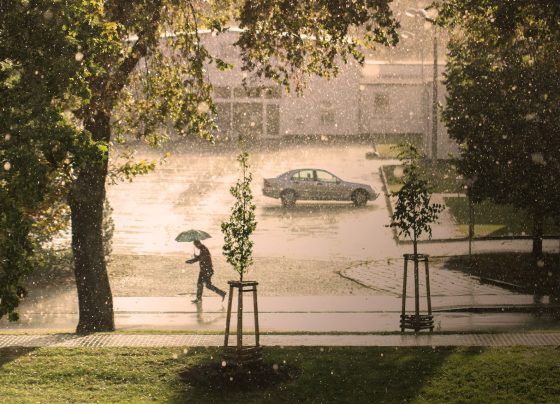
<point x="316" y="184"/>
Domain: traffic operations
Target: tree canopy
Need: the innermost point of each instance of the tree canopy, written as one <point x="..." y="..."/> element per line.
<point x="503" y="103"/>
<point x="78" y="76"/>
<point x="38" y="73"/>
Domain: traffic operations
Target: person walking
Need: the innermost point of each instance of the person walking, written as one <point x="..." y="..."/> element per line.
<point x="206" y="271"/>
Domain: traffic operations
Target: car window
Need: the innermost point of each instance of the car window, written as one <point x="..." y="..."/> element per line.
<point x="324" y="176"/>
<point x="303" y="175"/>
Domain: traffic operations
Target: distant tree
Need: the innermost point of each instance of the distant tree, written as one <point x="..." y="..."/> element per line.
<point x="503" y="103"/>
<point x="413" y="213"/>
<point x="117" y="81"/>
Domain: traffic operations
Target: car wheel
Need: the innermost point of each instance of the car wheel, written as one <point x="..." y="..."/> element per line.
<point x="360" y="197"/>
<point x="288" y="198"/>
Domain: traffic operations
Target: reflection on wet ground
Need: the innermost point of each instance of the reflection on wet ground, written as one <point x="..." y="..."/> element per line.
<point x="192" y="191"/>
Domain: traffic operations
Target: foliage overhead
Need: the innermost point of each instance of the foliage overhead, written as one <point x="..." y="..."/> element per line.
<point x="287" y="40"/>
<point x="36" y="137"/>
<point x="79" y="77"/>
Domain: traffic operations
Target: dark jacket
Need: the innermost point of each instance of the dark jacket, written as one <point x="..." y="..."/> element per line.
<point x="205" y="261"/>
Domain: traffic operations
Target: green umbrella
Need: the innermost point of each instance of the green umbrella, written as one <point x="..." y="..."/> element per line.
<point x="192" y="235"/>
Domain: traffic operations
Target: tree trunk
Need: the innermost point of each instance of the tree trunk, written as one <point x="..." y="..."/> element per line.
<point x="86" y="201"/>
<point x="538" y="223"/>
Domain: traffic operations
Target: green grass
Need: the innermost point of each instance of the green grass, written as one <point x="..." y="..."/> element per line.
<point x="493" y="220"/>
<point x="342" y="374"/>
<point x="539" y="277"/>
<point x="386" y="150"/>
<point x="442" y="177"/>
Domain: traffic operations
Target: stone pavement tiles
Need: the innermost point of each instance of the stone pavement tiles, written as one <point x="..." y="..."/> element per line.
<point x="181" y="340"/>
<point x="387" y="276"/>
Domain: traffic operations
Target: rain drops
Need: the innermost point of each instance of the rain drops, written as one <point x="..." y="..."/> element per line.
<point x="47" y="15"/>
<point x="538" y="158"/>
<point x="398" y="172"/>
<point x="530" y="117"/>
<point x="79" y="56"/>
<point x="7" y="166"/>
<point x="202" y="108"/>
<point x="7" y="137"/>
<point x="275" y="367"/>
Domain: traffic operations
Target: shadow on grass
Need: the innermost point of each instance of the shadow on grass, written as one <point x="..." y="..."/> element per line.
<point x="228" y="379"/>
<point x="332" y="374"/>
<point x="9" y="354"/>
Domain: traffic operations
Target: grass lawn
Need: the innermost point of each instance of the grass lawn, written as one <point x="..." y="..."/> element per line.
<point x="541" y="278"/>
<point x="386" y="150"/>
<point x="493" y="220"/>
<point x="442" y="177"/>
<point x="350" y="375"/>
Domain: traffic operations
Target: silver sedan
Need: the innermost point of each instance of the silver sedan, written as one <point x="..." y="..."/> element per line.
<point x="316" y="184"/>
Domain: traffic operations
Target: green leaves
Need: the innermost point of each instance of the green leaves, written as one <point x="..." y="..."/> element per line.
<point x="503" y="99"/>
<point x="287" y="41"/>
<point x="238" y="247"/>
<point x="413" y="212"/>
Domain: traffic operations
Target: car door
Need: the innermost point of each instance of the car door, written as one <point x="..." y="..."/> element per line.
<point x="303" y="182"/>
<point x="328" y="186"/>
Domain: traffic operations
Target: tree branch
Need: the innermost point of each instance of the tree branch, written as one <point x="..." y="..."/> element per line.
<point x="146" y="38"/>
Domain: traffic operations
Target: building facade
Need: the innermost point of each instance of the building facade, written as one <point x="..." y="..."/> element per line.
<point x="375" y="100"/>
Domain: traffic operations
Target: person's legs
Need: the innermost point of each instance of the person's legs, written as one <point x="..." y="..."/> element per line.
<point x="199" y="286"/>
<point x="208" y="282"/>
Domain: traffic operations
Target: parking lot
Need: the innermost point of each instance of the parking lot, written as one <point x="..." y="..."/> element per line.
<point x="191" y="190"/>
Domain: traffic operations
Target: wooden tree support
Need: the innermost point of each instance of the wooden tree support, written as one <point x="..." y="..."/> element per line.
<point x="242" y="355"/>
<point x="417" y="321"/>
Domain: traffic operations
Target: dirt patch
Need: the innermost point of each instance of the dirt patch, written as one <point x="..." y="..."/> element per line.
<point x="260" y="376"/>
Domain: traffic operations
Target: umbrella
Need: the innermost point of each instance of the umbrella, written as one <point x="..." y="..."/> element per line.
<point x="192" y="235"/>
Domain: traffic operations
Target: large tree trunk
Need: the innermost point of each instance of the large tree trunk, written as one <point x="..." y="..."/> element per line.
<point x="86" y="201"/>
<point x="538" y="224"/>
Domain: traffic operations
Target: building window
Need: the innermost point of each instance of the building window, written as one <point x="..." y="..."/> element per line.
<point x="222" y="92"/>
<point x="327" y="118"/>
<point x="381" y="103"/>
<point x="257" y="92"/>
<point x="272" y="119"/>
<point x="223" y="119"/>
<point x="247" y="120"/>
<point x="326" y="113"/>
<point x="272" y="92"/>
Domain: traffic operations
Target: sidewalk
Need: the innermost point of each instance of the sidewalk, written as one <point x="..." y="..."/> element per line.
<point x="162" y="340"/>
<point x="316" y="314"/>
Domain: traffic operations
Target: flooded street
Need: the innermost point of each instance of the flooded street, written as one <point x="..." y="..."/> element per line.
<point x="191" y="191"/>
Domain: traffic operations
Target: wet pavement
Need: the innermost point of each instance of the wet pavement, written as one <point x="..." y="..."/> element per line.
<point x="386" y="276"/>
<point x="322" y="314"/>
<point x="191" y="191"/>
